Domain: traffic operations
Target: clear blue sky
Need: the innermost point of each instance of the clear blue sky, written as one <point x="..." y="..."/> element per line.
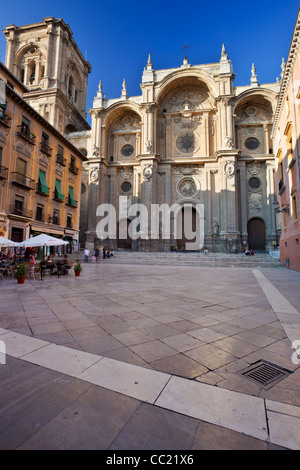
<point x="117" y="36"/>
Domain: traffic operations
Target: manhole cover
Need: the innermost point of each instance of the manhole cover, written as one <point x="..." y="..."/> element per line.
<point x="264" y="373"/>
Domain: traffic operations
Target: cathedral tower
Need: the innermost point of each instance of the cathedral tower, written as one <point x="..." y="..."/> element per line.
<point x="45" y="57"/>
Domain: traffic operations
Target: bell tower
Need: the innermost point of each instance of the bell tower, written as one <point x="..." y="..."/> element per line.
<point x="45" y="57"/>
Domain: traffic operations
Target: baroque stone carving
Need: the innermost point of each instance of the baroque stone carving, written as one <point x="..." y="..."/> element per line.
<point x="94" y="175"/>
<point x="187" y="187"/>
<point x="215" y="227"/>
<point x="229" y="169"/>
<point x="255" y="202"/>
<point x="255" y="168"/>
<point x="147" y="172"/>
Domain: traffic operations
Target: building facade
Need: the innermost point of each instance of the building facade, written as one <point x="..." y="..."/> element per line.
<point x="286" y="135"/>
<point x="191" y="138"/>
<point x="40" y="170"/>
<point x="45" y="57"/>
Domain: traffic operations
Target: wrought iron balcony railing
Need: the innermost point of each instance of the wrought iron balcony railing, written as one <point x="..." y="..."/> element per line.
<point x="20" y="211"/>
<point x="23" y="131"/>
<point x="22" y="180"/>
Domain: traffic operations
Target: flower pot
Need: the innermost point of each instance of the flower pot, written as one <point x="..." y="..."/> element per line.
<point x="21" y="279"/>
<point x="77" y="273"/>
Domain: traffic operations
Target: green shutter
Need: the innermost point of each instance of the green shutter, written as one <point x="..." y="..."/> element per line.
<point x="58" y="189"/>
<point x="43" y="182"/>
<point x="71" y="195"/>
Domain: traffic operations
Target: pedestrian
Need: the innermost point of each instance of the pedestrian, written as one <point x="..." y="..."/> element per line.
<point x="96" y="254"/>
<point x="104" y="253"/>
<point x="86" y="255"/>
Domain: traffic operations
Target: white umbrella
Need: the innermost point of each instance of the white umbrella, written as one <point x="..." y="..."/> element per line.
<point x="43" y="240"/>
<point x="6" y="242"/>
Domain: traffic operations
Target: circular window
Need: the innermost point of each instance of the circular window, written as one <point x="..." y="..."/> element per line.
<point x="186" y="142"/>
<point x="126" y="187"/>
<point x="252" y="143"/>
<point x="254" y="183"/>
<point x="127" y="150"/>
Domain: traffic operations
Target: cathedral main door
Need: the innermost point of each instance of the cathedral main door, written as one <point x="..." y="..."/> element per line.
<point x="186" y="223"/>
<point x="256" y="234"/>
<point x="124" y="243"/>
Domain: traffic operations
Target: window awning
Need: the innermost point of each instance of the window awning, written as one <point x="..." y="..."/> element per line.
<point x="71" y="195"/>
<point x="58" y="190"/>
<point x="44" y="186"/>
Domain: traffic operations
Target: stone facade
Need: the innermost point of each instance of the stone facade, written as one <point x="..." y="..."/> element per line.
<point x="191" y="137"/>
<point x="286" y="135"/>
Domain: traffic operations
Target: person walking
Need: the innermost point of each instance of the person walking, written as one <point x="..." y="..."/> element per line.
<point x="86" y="255"/>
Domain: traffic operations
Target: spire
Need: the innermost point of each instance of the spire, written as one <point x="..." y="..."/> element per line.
<point x="98" y="101"/>
<point x="253" y="79"/>
<point x="225" y="62"/>
<point x="124" y="90"/>
<point x="149" y="63"/>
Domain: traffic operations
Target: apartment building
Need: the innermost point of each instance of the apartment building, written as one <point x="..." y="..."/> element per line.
<point x="40" y="170"/>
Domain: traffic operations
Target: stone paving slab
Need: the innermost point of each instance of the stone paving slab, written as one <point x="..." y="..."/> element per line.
<point x="166" y="347"/>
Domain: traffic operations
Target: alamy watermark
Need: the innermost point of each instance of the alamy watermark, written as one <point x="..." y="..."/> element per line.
<point x="296" y="353"/>
<point x="160" y="222"/>
<point x="2" y="352"/>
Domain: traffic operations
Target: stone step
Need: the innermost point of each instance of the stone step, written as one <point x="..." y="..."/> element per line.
<point x="194" y="259"/>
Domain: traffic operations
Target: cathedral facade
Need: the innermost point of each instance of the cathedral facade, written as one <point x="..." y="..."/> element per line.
<point x="190" y="139"/>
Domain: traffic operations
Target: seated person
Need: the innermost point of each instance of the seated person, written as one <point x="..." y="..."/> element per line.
<point x="67" y="264"/>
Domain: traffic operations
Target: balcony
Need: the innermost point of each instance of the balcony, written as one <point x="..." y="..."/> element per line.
<point x="55" y="220"/>
<point x="3" y="172"/>
<point x="24" y="132"/>
<point x="20" y="211"/>
<point x="22" y="180"/>
<point x="60" y="159"/>
<point x="57" y="196"/>
<point x="44" y="147"/>
<point x="41" y="190"/>
<point x="74" y="169"/>
<point x="4" y="119"/>
<point x="71" y="202"/>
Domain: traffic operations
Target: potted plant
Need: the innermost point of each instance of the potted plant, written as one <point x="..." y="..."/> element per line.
<point x="20" y="273"/>
<point x="77" y="267"/>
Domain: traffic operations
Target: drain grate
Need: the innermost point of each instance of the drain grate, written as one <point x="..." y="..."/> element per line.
<point x="264" y="373"/>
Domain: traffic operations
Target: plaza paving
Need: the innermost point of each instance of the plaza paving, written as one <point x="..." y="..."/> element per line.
<point x="149" y="353"/>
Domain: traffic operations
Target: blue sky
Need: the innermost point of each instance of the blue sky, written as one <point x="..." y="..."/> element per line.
<point x="117" y="36"/>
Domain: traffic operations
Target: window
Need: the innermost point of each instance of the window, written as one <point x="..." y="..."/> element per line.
<point x="57" y="192"/>
<point x="294" y="207"/>
<point x="19" y="205"/>
<point x="280" y="177"/>
<point x="1" y="155"/>
<point x="21" y="166"/>
<point x="60" y="150"/>
<point x="56" y="217"/>
<point x="39" y="213"/>
<point x="283" y="216"/>
<point x="42" y="184"/>
<point x="71" y="199"/>
<point x="69" y="220"/>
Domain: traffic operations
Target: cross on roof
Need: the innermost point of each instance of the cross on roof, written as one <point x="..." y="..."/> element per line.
<point x="185" y="47"/>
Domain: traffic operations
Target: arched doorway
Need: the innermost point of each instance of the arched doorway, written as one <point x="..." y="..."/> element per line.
<point x="124" y="243"/>
<point x="186" y="223"/>
<point x="256" y="234"/>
